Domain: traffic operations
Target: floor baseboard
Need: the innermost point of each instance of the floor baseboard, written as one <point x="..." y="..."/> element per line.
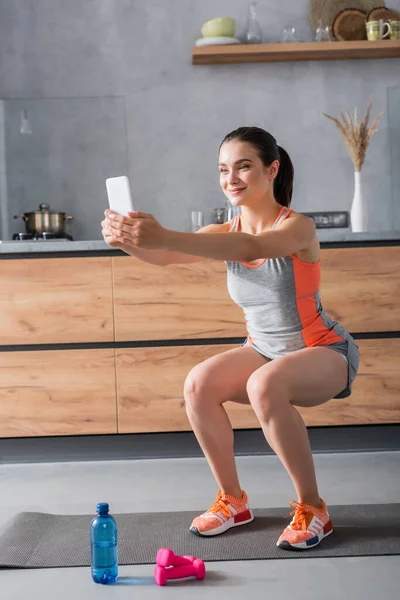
<point x="360" y="438"/>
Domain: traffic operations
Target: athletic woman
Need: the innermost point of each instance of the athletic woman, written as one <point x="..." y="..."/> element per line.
<point x="294" y="355"/>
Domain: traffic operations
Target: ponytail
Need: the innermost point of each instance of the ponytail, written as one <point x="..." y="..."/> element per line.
<point x="283" y="183"/>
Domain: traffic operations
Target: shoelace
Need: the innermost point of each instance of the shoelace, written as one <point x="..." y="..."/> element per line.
<point x="220" y="506"/>
<point x="300" y="514"/>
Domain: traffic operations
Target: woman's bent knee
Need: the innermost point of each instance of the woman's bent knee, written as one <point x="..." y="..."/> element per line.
<point x="266" y="394"/>
<point x="199" y="389"/>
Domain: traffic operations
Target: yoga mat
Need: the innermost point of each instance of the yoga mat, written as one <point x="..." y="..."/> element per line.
<point x="37" y="540"/>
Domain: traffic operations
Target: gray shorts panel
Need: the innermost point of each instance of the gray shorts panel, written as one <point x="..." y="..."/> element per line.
<point x="348" y="349"/>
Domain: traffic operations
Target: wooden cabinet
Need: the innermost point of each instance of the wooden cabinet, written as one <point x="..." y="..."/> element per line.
<point x="57" y="392"/>
<point x="174" y="302"/>
<point x="56" y="300"/>
<point x="150" y="389"/>
<point x="139" y="313"/>
<point x="360" y="287"/>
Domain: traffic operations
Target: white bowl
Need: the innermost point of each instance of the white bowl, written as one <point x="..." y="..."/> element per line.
<point x="216" y="41"/>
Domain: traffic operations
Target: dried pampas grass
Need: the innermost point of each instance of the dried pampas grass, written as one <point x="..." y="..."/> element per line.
<point x="357" y="135"/>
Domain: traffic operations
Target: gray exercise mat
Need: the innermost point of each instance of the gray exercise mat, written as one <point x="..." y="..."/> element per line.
<point x="35" y="540"/>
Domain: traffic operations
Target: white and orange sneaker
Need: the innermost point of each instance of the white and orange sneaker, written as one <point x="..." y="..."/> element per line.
<point x="226" y="512"/>
<point x="309" y="526"/>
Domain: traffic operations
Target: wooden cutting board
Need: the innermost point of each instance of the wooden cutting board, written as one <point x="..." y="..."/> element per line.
<point x="326" y="10"/>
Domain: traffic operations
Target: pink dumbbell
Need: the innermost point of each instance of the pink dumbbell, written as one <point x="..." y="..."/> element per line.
<point x="166" y="558"/>
<point x="196" y="569"/>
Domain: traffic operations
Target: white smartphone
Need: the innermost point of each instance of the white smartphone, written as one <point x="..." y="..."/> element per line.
<point x="119" y="195"/>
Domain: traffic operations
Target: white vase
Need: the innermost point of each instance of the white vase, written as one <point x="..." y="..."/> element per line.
<point x="358" y="213"/>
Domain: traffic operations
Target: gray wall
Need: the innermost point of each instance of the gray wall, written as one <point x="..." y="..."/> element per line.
<point x="4" y="224"/>
<point x="176" y="114"/>
<point x="74" y="145"/>
<point x="394" y="136"/>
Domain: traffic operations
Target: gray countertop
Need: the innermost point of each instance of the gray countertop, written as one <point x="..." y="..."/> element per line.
<point x="325" y="236"/>
<point x="56" y="246"/>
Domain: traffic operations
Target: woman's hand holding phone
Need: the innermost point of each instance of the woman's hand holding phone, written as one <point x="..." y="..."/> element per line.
<point x="137" y="230"/>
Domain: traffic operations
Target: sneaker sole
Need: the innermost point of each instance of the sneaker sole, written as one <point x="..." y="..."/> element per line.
<point x="224" y="527"/>
<point x="284" y="545"/>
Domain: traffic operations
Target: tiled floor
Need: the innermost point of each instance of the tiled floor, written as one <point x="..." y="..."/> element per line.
<point x="186" y="484"/>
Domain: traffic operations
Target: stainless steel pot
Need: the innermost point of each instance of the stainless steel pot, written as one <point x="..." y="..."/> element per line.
<point x="44" y="220"/>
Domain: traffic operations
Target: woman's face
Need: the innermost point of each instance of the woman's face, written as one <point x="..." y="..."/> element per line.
<point x="242" y="175"/>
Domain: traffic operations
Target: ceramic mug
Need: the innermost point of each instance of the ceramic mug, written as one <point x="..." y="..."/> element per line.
<point x="395" y="29"/>
<point x="375" y="30"/>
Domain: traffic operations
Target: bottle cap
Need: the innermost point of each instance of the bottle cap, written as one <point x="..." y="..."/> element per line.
<point x="102" y="508"/>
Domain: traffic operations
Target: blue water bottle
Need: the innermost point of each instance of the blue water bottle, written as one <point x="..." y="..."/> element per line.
<point x="104" y="545"/>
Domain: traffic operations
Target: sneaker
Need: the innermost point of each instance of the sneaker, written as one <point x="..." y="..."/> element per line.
<point x="226" y="512"/>
<point x="309" y="526"/>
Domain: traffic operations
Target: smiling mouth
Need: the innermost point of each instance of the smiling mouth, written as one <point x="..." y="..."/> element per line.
<point x="236" y="190"/>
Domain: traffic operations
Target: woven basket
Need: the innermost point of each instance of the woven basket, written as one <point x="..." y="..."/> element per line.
<point x="326" y="10"/>
<point x="382" y="13"/>
<point x="350" y="25"/>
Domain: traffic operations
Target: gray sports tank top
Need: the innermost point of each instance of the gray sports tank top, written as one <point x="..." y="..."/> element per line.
<point x="281" y="302"/>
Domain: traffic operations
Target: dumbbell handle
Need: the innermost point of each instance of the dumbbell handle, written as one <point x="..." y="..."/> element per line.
<point x="197" y="569"/>
<point x="181" y="572"/>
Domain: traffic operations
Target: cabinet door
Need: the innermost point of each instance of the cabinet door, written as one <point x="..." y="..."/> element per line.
<point x="360" y="287"/>
<point x="150" y="389"/>
<point x="56" y="300"/>
<point x="150" y="386"/>
<point x="174" y="302"/>
<point x="57" y="392"/>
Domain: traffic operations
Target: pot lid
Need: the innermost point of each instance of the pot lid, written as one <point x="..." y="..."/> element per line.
<point x="44" y="208"/>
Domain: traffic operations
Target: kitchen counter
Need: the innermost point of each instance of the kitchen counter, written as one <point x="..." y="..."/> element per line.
<point x="58" y="246"/>
<point x="332" y="236"/>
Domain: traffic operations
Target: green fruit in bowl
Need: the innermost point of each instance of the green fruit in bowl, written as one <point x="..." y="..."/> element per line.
<point x="219" y="27"/>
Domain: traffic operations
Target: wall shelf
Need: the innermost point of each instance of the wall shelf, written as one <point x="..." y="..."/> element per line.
<point x="305" y="51"/>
